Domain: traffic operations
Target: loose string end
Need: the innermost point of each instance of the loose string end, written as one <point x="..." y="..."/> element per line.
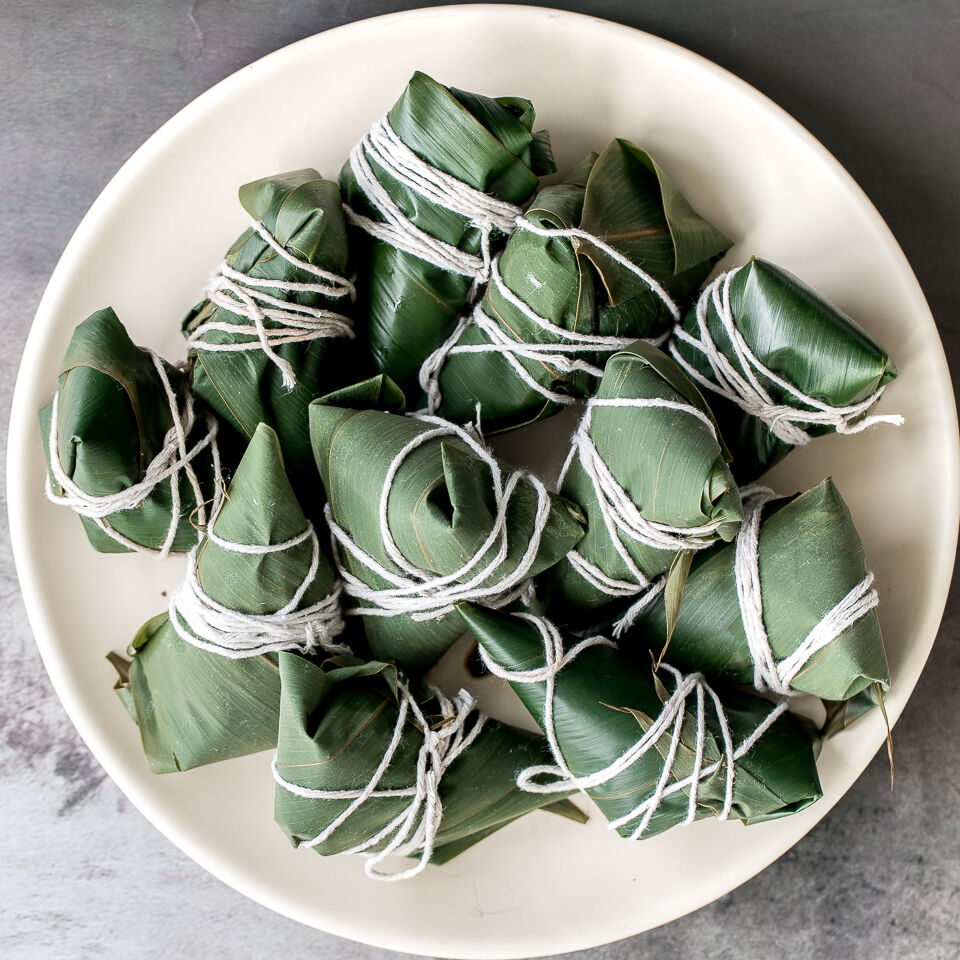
<point x="890" y="419"/>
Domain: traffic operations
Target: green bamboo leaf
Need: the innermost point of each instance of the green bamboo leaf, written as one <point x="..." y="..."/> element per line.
<point x="799" y="337"/>
<point x="377" y="393"/>
<point x="440" y="512"/>
<point x="337" y="722"/>
<point x="112" y="419"/>
<point x="841" y="713"/>
<point x="673" y="593"/>
<point x="776" y="777"/>
<point x="122" y="687"/>
<point x="446" y="852"/>
<point x="635" y="207"/>
<point x="408" y="306"/>
<point x="304" y="214"/>
<point x="810" y="557"/>
<point x="193" y="706"/>
<point x="566" y="809"/>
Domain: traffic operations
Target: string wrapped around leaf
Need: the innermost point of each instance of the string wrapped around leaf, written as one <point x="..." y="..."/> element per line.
<point x="423" y="518"/>
<point x="780" y="364"/>
<point x="368" y="763"/>
<point x="126" y="447"/>
<point x="436" y="185"/>
<point x="654" y="748"/>
<point x="598" y="261"/>
<point x="203" y="683"/>
<point x="647" y="467"/>
<point x="275" y="331"/>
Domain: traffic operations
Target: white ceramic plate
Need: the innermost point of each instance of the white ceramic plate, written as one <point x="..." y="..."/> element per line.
<point x="542" y="885"/>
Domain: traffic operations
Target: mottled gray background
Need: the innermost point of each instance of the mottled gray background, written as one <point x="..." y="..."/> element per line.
<point x="82" y="84"/>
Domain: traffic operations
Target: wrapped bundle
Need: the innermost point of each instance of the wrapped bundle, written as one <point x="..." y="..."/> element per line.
<point x="436" y="184"/>
<point x="782" y="365"/>
<point x="652" y="747"/>
<point x="647" y="466"/>
<point x="423" y="518"/>
<point x="597" y="262"/>
<point x="274" y="332"/>
<point x="790" y="607"/>
<point x="203" y="683"/>
<point x="125" y="447"/>
<point x="365" y="765"/>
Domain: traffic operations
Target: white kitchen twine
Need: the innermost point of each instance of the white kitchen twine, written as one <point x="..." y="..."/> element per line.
<point x="204" y="623"/>
<point x="414" y="829"/>
<point x="670" y="719"/>
<point x="422" y="594"/>
<point x="563" y="356"/>
<point x="769" y="673"/>
<point x="739" y="379"/>
<point x="624" y="518"/>
<point x="484" y="212"/>
<point x="173" y="458"/>
<point x="246" y="297"/>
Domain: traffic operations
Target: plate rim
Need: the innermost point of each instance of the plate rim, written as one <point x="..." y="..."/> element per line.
<point x="22" y="426"/>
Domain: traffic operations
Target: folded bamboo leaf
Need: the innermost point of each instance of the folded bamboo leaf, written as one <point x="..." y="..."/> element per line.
<point x="596" y="262"/>
<point x="674" y="585"/>
<point x="647" y="466"/>
<point x="810" y="565"/>
<point x="780" y="363"/>
<point x="842" y="713"/>
<point x="632" y="205"/>
<point x="115" y="456"/>
<point x="467" y="146"/>
<point x="628" y="733"/>
<point x="286" y="272"/>
<point x="198" y="700"/>
<point x="425" y="517"/>
<point x="362" y="760"/>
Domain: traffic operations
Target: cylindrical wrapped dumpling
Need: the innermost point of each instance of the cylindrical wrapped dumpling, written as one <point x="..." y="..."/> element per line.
<point x="437" y="185"/>
<point x="367" y="764"/>
<point x="424" y="517"/>
<point x="276" y="330"/>
<point x="126" y="447"/>
<point x="647" y="467"/>
<point x="203" y="683"/>
<point x="780" y="364"/>
<point x="652" y="747"/>
<point x="789" y="607"/>
<point x="606" y="257"/>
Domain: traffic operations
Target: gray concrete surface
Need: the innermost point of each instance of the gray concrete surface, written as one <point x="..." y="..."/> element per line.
<point x="82" y="84"/>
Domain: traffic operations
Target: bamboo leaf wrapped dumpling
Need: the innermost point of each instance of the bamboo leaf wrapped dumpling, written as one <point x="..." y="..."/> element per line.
<point x="366" y="763"/>
<point x="423" y="518"/>
<point x="598" y="261"/>
<point x="647" y="467"/>
<point x="780" y="364"/>
<point x="652" y="747"/>
<point x="535" y="277"/>
<point x="789" y="607"/>
<point x="204" y="680"/>
<point x="126" y="447"/>
<point x="437" y="185"/>
<point x="275" y="331"/>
